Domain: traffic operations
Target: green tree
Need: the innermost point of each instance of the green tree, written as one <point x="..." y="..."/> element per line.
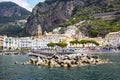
<point x="75" y="42"/>
<point x="83" y="42"/>
<point x="94" y="42"/>
<point x="51" y="44"/>
<point x="62" y="44"/>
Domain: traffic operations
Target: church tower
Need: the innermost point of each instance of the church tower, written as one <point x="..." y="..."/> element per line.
<point x="39" y="32"/>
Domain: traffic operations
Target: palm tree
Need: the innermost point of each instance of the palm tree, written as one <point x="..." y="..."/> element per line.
<point x="62" y="44"/>
<point x="94" y="42"/>
<point x="83" y="42"/>
<point x="74" y="42"/>
<point x="51" y="44"/>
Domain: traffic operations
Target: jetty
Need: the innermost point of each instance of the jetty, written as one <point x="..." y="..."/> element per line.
<point x="66" y="60"/>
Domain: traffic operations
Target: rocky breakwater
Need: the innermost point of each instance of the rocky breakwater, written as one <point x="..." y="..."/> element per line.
<point x="73" y="60"/>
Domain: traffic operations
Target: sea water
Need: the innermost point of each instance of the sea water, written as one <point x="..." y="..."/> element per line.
<point x="11" y="71"/>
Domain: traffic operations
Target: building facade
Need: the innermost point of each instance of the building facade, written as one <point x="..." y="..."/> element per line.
<point x="112" y="39"/>
<point x="11" y="43"/>
<point x="1" y="42"/>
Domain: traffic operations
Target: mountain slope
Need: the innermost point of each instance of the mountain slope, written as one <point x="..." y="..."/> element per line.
<point x="53" y="13"/>
<point x="9" y="12"/>
<point x="12" y="19"/>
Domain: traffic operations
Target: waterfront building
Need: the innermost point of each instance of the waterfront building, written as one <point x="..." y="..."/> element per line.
<point x="24" y="42"/>
<point x="38" y="44"/>
<point x="54" y="37"/>
<point x="1" y="42"/>
<point x="9" y="43"/>
<point x="41" y="43"/>
<point x="112" y="39"/>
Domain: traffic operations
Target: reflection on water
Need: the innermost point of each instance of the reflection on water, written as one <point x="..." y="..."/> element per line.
<point x="11" y="71"/>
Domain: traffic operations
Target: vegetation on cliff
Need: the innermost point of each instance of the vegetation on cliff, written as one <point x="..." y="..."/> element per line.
<point x="12" y="29"/>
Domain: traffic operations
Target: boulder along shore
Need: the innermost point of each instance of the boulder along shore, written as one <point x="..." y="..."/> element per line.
<point x="71" y="60"/>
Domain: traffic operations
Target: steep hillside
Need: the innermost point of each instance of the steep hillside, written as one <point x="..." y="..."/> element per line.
<point x="93" y="27"/>
<point x="54" y="13"/>
<point x="14" y="29"/>
<point x="9" y="12"/>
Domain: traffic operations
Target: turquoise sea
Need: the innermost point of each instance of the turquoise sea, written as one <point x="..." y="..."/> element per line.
<point x="11" y="71"/>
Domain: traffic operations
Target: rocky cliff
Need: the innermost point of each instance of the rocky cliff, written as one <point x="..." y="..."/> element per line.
<point x="51" y="13"/>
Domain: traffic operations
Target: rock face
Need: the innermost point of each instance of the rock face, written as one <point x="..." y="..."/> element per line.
<point x="51" y="13"/>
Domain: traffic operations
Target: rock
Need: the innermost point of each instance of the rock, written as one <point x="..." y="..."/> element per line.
<point x="55" y="57"/>
<point x="66" y="61"/>
<point x="39" y="63"/>
<point x="69" y="65"/>
<point x="65" y="65"/>
<point x="16" y="62"/>
<point x="33" y="61"/>
<point x="106" y="61"/>
<point x="1" y="54"/>
<point x="95" y="57"/>
<point x="79" y="62"/>
<point x="92" y="60"/>
<point x="73" y="62"/>
<point x="26" y="63"/>
<point x="52" y="63"/>
<point x="74" y="65"/>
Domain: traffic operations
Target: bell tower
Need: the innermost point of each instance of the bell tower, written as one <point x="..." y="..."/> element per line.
<point x="39" y="31"/>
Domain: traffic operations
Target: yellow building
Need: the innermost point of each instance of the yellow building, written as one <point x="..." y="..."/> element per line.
<point x="1" y="42"/>
<point x="67" y="40"/>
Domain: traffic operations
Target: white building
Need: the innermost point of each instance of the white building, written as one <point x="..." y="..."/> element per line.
<point x="47" y="38"/>
<point x="24" y="42"/>
<point x="9" y="43"/>
<point x="112" y="38"/>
